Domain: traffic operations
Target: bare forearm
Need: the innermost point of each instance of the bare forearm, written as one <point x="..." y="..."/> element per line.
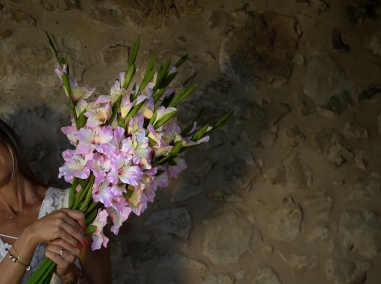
<point x="12" y="272"/>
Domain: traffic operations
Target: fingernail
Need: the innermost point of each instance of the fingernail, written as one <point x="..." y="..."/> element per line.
<point x="84" y="228"/>
<point x="86" y="242"/>
<point x="79" y="245"/>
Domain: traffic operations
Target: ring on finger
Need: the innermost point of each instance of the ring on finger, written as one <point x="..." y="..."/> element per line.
<point x="62" y="252"/>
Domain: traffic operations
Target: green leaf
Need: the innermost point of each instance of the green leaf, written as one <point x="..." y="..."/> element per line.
<point x="128" y="76"/>
<point x="223" y="121"/>
<point x="167" y="100"/>
<point x="53" y="49"/>
<point x="158" y="94"/>
<point x="150" y="65"/>
<point x="182" y="95"/>
<point x="145" y="81"/>
<point x="181" y="61"/>
<point x="164" y="119"/>
<point x="174" y="151"/>
<point x="163" y="71"/>
<point x="81" y="121"/>
<point x="167" y="80"/>
<point x="90" y="230"/>
<point x="200" y="133"/>
<point x="72" y="192"/>
<point x="134" y="52"/>
<point x="129" y="193"/>
<point x="133" y="111"/>
<point x="90" y="217"/>
<point x="190" y="126"/>
<point x="115" y="108"/>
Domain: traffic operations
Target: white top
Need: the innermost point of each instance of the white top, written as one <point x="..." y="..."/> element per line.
<point x="55" y="199"/>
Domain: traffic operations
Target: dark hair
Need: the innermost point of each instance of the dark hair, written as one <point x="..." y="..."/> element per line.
<point x="20" y="162"/>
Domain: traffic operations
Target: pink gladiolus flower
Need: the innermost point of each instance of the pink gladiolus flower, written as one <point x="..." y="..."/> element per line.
<point x="98" y="237"/>
<point x="118" y="217"/>
<point x="75" y="165"/>
<point x="126" y="105"/>
<point x="100" y="165"/>
<point x="124" y="170"/>
<point x="70" y="131"/>
<point x="135" y="125"/>
<point x="98" y="115"/>
<point x="175" y="170"/>
<point x="96" y="138"/>
<point x="60" y="71"/>
<point x="102" y="192"/>
<point x="161" y="111"/>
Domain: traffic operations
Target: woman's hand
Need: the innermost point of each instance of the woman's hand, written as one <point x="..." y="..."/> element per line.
<point x="64" y="255"/>
<point x="65" y="224"/>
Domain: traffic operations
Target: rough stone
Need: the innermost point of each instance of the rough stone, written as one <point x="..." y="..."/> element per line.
<point x="130" y="279"/>
<point x="364" y="189"/>
<point x="342" y="271"/>
<point x="175" y="221"/>
<point x="268" y="249"/>
<point x="320" y="204"/>
<point x="273" y="176"/>
<point x="266" y="275"/>
<point x="374" y="43"/>
<point x="360" y="159"/>
<point x="358" y="10"/>
<point x="228" y="234"/>
<point x="185" y="191"/>
<point x="360" y="232"/>
<point x="329" y="86"/>
<point x="319" y="5"/>
<point x="51" y="5"/>
<point x="301" y="264"/>
<point x="179" y="262"/>
<point x="135" y="13"/>
<point x="241" y="169"/>
<point x="113" y="55"/>
<point x="284" y="222"/>
<point x="370" y="92"/>
<point x="208" y="58"/>
<point x="354" y="130"/>
<point x="144" y="253"/>
<point x="299" y="59"/>
<point x="297" y="173"/>
<point x="204" y="168"/>
<point x="256" y="120"/>
<point x="15" y="17"/>
<point x="319" y="232"/>
<point x="294" y="136"/>
<point x="334" y="148"/>
<point x="338" y="43"/>
<point x="260" y="53"/>
<point x="5" y="34"/>
<point x="219" y="19"/>
<point x="218" y="279"/>
<point x="338" y="182"/>
<point x="301" y="105"/>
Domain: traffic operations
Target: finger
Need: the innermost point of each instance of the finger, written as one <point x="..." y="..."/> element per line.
<point x="60" y="254"/>
<point x="67" y="214"/>
<point x="74" y="251"/>
<point x="77" y="215"/>
<point x="68" y="233"/>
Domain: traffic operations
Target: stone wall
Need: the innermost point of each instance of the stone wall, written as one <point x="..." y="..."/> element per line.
<point x="288" y="192"/>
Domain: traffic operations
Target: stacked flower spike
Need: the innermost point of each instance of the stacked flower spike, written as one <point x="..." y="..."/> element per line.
<point x="124" y="145"/>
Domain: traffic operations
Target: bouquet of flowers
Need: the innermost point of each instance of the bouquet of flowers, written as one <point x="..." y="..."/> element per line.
<point x="125" y="145"/>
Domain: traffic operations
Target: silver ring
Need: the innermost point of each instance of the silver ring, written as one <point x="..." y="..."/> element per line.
<point x="62" y="252"/>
